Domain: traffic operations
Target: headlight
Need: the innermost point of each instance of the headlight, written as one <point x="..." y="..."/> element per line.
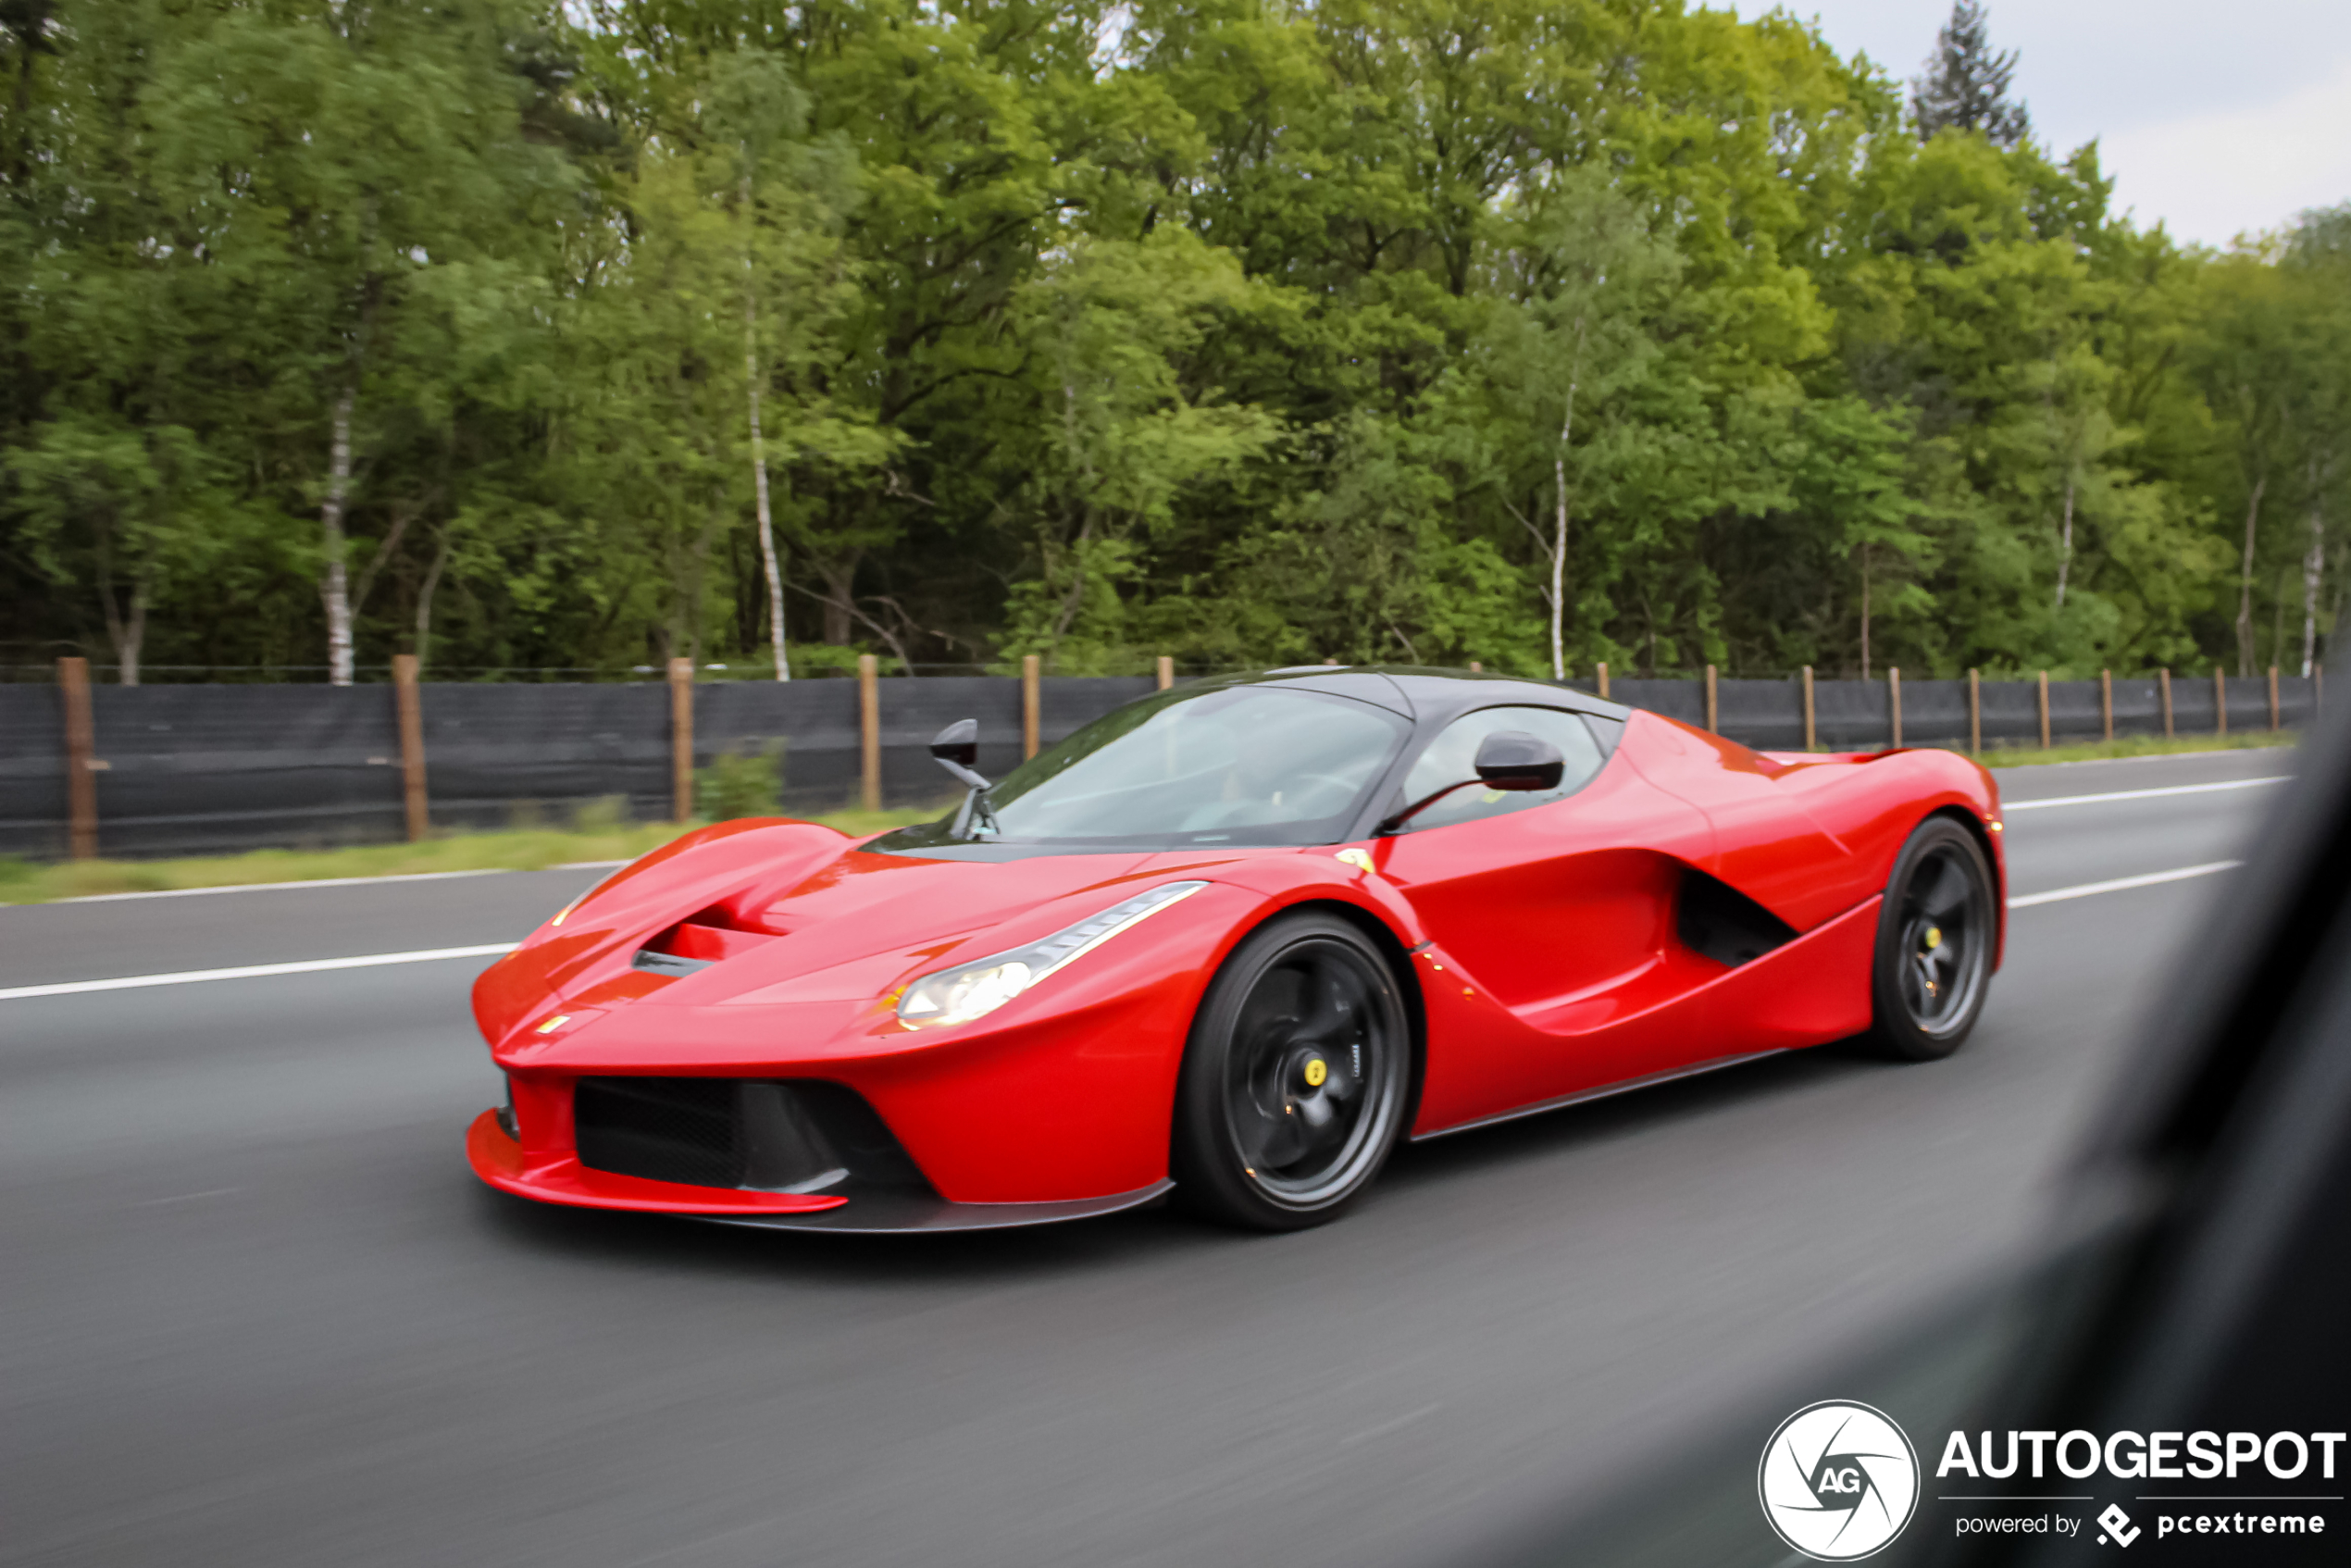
<point x="959" y="995"/>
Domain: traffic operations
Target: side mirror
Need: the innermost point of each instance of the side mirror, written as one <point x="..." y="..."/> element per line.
<point x="959" y="743"/>
<point x="1511" y="759"/>
<point x="1508" y="759"/>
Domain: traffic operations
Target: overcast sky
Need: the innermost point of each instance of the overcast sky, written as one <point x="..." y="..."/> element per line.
<point x="2215" y="118"/>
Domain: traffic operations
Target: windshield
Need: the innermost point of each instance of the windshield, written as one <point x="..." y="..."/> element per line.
<point x="1253" y="765"/>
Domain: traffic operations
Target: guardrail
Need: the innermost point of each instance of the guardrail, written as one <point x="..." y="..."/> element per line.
<point x="155" y="770"/>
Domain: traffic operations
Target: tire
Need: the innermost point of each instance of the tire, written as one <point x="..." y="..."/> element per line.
<point x="1935" y="936"/>
<point x="1295" y="1080"/>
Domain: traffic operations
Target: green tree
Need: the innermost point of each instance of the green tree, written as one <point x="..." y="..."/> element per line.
<point x="363" y="179"/>
<point x="1124" y="436"/>
<point x="1965" y="86"/>
<point x="1572" y="330"/>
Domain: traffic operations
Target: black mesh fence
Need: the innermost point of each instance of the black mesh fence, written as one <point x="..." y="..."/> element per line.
<point x="192" y="769"/>
<point x="2011" y="714"/>
<point x="498" y="754"/>
<point x="33" y="773"/>
<point x="1851" y="715"/>
<point x="2192" y="705"/>
<point x="2073" y="709"/>
<point x="2138" y="708"/>
<point x="1935" y="713"/>
<point x="1767" y="714"/>
<point x="1684" y="700"/>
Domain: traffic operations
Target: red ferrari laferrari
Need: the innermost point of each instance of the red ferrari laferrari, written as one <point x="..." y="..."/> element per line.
<point x="1231" y="942"/>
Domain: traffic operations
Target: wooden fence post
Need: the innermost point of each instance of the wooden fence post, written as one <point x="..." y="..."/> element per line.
<point x="1812" y="741"/>
<point x="869" y="731"/>
<point x="81" y="760"/>
<point x="2105" y="701"/>
<point x="2163" y="690"/>
<point x="1166" y="672"/>
<point x="1974" y="714"/>
<point x="681" y="740"/>
<point x="1713" y="712"/>
<point x="409" y="701"/>
<point x="2220" y="700"/>
<point x="1603" y="680"/>
<point x="1894" y="703"/>
<point x="1476" y="668"/>
<point x="2274" y="725"/>
<point x="1031" y="701"/>
<point x="2045" y="710"/>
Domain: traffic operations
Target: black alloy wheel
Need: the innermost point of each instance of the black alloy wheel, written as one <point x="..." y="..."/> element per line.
<point x="1936" y="937"/>
<point x="1295" y="1081"/>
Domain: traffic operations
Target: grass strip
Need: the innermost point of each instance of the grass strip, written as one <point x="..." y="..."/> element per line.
<point x="527" y="849"/>
<point x="2137" y="746"/>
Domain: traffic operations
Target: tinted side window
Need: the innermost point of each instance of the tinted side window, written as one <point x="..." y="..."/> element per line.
<point x="1452" y="756"/>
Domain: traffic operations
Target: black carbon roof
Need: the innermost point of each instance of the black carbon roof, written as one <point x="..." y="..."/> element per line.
<point x="1420" y="693"/>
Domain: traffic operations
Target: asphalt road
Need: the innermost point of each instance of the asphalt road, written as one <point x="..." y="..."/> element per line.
<point x="257" y="1313"/>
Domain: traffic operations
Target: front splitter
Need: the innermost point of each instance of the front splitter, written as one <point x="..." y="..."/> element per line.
<point x="880" y="1213"/>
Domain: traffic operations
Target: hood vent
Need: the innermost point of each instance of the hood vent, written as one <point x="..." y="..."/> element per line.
<point x="653" y="963"/>
<point x="697" y="942"/>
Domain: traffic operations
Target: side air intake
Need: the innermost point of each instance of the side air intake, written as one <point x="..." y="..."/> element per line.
<point x="1717" y="920"/>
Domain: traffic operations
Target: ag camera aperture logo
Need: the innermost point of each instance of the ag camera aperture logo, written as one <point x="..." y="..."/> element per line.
<point x="1838" y="1481"/>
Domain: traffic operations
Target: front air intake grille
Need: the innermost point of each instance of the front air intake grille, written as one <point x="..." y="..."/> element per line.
<point x="664" y="1129"/>
<point x="757" y="1133"/>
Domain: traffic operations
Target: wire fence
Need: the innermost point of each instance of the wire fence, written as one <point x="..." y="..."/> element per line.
<point x="210" y="768"/>
<point x="739" y="671"/>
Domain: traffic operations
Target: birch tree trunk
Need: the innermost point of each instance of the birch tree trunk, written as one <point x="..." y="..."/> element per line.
<point x="126" y="633"/>
<point x="334" y="588"/>
<point x="759" y="458"/>
<point x="1559" y="562"/>
<point x="2245" y="586"/>
<point x="1559" y="532"/>
<point x="133" y="636"/>
<point x="2065" y="541"/>
<point x="2314" y="562"/>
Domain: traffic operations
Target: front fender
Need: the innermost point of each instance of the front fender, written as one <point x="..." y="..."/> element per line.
<point x="692" y="872"/>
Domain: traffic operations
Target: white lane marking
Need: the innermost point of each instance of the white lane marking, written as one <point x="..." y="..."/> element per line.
<point x="1385" y="1427"/>
<point x="2008" y="807"/>
<point x="280" y="887"/>
<point x="2121" y="884"/>
<point x="335" y="882"/>
<point x="187" y="1197"/>
<point x="254" y="971"/>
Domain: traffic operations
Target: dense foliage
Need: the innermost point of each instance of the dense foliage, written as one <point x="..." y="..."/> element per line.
<point x="1235" y="330"/>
